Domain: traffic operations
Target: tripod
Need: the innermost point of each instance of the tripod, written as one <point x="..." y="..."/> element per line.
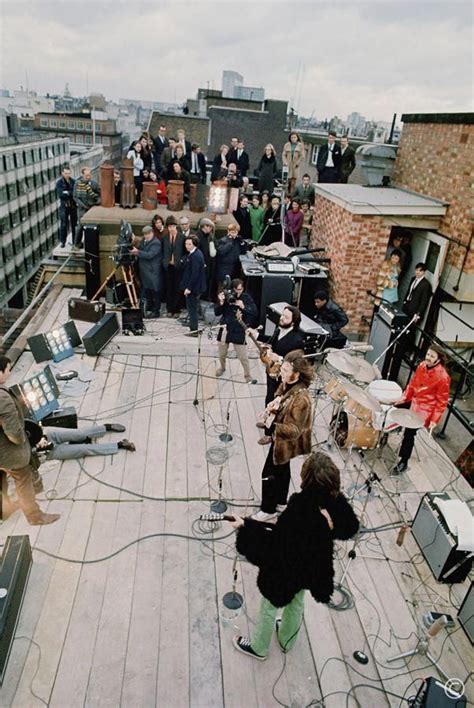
<point x="127" y="274"/>
<point x="422" y="647"/>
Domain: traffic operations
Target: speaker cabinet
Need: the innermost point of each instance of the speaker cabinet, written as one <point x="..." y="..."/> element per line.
<point x="101" y="334"/>
<point x="466" y="614"/>
<point x="92" y="260"/>
<point x="61" y="418"/>
<point x="84" y="310"/>
<point x="15" y="565"/>
<point x="132" y="320"/>
<point x="437" y="543"/>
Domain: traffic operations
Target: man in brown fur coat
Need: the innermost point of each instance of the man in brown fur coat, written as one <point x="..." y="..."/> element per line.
<point x="291" y="433"/>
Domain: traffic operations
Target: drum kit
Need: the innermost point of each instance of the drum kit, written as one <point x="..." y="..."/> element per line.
<point x="363" y="412"/>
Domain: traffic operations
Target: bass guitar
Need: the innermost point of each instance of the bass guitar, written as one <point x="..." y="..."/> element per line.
<point x="271" y="367"/>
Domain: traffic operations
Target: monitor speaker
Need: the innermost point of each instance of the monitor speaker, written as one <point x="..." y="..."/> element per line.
<point x="85" y="310"/>
<point x="466" y="614"/>
<point x="15" y="565"/>
<point x="92" y="260"/>
<point x="61" y="418"/>
<point x="39" y="348"/>
<point x="100" y="335"/>
<point x="275" y="289"/>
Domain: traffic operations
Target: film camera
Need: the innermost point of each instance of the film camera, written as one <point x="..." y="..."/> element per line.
<point x="124" y="245"/>
<point x="229" y="293"/>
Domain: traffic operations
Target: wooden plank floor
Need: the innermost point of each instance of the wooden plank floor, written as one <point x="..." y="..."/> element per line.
<point x="138" y="619"/>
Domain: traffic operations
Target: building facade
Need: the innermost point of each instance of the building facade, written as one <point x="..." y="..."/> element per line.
<point x="83" y="130"/>
<point x="28" y="210"/>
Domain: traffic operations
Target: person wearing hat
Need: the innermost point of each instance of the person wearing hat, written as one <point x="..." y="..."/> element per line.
<point x="332" y="318"/>
<point x="207" y="246"/>
<point x="149" y="262"/>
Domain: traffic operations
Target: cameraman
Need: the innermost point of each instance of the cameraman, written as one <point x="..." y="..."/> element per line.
<point x="238" y="311"/>
<point x="149" y="262"/>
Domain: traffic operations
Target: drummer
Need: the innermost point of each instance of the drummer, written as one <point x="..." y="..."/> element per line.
<point x="427" y="394"/>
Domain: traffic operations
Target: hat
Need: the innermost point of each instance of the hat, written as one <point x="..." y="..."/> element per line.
<point x="206" y="222"/>
<point x="170" y="220"/>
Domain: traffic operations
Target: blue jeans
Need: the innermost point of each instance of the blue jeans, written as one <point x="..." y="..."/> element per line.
<point x="192" y="308"/>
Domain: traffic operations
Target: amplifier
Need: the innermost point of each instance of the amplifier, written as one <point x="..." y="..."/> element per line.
<point x="61" y="418"/>
<point x="437" y="543"/>
<point x="392" y="316"/>
<point x="466" y="614"/>
<point x="433" y="694"/>
<point x="85" y="310"/>
<point x="309" y="268"/>
<point x="307" y="326"/>
<point x="15" y="566"/>
<point x="100" y="335"/>
<point x="280" y="267"/>
<point x="132" y="320"/>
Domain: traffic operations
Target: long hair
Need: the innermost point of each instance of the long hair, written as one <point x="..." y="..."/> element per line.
<point x="320" y="472"/>
<point x="300" y="366"/>
<point x="296" y="321"/>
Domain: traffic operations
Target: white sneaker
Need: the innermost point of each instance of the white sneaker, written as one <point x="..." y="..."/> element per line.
<point x="263" y="516"/>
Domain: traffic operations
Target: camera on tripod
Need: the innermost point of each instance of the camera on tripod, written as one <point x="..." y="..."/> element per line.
<point x="124" y="245"/>
<point x="229" y="293"/>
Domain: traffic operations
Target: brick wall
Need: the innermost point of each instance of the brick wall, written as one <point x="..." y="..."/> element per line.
<point x="196" y="129"/>
<point x="437" y="159"/>
<point x="356" y="245"/>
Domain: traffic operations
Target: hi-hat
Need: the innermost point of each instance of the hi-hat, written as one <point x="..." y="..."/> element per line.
<point x="407" y="419"/>
<point x="363" y="398"/>
<point x="343" y="363"/>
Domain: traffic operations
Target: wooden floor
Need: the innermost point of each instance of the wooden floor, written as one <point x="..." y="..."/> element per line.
<point x="124" y="601"/>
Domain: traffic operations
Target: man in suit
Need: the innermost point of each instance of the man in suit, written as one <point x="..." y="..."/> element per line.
<point x="149" y="261"/>
<point x="185" y="143"/>
<point x="173" y="249"/>
<point x="348" y="161"/>
<point x="232" y="155"/>
<point x="329" y="160"/>
<point x="241" y="158"/>
<point x="15" y="451"/>
<point x="67" y="205"/>
<point x="193" y="281"/>
<point x="305" y="191"/>
<point x="198" y="165"/>
<point x="161" y="142"/>
<point x="168" y="155"/>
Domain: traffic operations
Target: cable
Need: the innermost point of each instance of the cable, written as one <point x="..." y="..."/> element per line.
<point x="32" y="641"/>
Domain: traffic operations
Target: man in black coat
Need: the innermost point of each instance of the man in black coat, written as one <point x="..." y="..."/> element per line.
<point x="161" y="142"/>
<point x="198" y="165"/>
<point x="295" y="554"/>
<point x="348" y="161"/>
<point x="232" y="330"/>
<point x="193" y="281"/>
<point x="418" y="294"/>
<point x="329" y="160"/>
<point x="241" y="158"/>
<point x="149" y="261"/>
<point x="173" y="250"/>
<point x="67" y="205"/>
<point x="332" y="317"/>
<point x="305" y="191"/>
<point x="242" y="217"/>
<point x="229" y="249"/>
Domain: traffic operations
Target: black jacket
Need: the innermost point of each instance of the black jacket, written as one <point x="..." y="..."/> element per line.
<point x="291" y="341"/>
<point x="242" y="217"/>
<point x="194" y="273"/>
<point x="149" y="261"/>
<point x="419" y="299"/>
<point x="331" y="317"/>
<point x="348" y="162"/>
<point x="64" y="192"/>
<point x="302" y="193"/>
<point x="235" y="331"/>
<point x="228" y="255"/>
<point x="323" y="156"/>
<point x="178" y="250"/>
<point x="201" y="160"/>
<point x="242" y="162"/>
<point x="296" y="553"/>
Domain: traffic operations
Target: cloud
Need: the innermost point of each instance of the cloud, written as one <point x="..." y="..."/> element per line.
<point x="373" y="57"/>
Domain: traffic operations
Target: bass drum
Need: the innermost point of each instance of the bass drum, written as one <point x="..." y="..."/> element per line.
<point x="351" y="432"/>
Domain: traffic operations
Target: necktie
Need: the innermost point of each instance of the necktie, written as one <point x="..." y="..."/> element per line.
<point x="172" y="250"/>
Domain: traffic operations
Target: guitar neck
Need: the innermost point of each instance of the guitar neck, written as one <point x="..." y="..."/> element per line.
<point x="249" y="333"/>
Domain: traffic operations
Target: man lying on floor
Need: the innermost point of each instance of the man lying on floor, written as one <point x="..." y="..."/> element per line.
<point x="71" y="444"/>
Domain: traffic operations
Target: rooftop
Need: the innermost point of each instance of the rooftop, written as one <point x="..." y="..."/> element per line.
<point x="124" y="601"/>
<point x="464" y="118"/>
<point x="380" y="200"/>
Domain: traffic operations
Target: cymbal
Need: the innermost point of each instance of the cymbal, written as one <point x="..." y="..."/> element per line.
<point x="385" y="391"/>
<point x="363" y="398"/>
<point x="366" y="372"/>
<point x="407" y="419"/>
<point x="343" y="363"/>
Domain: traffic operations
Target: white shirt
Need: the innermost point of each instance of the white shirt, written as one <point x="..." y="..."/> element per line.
<point x="330" y="161"/>
<point x="283" y="332"/>
<point x="413" y="286"/>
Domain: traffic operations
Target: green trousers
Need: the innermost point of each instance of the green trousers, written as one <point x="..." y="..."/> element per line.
<point x="288" y="631"/>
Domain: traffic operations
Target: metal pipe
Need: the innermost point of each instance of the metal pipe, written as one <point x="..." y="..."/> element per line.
<point x="32" y="304"/>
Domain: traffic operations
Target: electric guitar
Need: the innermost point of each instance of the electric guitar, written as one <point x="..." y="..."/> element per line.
<point x="271" y="367"/>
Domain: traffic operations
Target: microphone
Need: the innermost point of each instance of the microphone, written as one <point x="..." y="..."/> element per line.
<point x="401" y="535"/>
<point x="216" y="517"/>
<point x="361" y="347"/>
<point x="437" y="626"/>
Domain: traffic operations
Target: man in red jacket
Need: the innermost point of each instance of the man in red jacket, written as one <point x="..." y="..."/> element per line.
<point x="428" y="394"/>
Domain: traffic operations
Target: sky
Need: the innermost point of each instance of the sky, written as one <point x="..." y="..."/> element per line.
<point x="326" y="58"/>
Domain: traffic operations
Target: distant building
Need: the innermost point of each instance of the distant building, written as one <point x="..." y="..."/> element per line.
<point x="25" y="103"/>
<point x="232" y="87"/>
<point x="28" y="209"/>
<point x="83" y="130"/>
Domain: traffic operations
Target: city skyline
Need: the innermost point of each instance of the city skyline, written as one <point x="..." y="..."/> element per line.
<point x="375" y="61"/>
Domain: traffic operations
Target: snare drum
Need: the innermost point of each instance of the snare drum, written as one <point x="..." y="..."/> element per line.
<point x="385" y="391"/>
<point x="351" y="432"/>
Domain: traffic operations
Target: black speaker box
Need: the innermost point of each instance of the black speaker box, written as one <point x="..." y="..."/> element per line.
<point x="437" y="543"/>
<point x="84" y="310"/>
<point x="132" y="320"/>
<point x="15" y="566"/>
<point x="466" y="614"/>
<point x="72" y="333"/>
<point x="100" y="335"/>
<point x="92" y="261"/>
<point x="432" y="694"/>
<point x="61" y="418"/>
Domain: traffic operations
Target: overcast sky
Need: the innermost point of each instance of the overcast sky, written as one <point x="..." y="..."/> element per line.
<point x="330" y="58"/>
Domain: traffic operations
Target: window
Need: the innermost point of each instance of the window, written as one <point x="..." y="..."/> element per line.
<point x="314" y="154"/>
<point x="43" y="122"/>
<point x="18" y="159"/>
<point x="80" y="139"/>
<point x="71" y="124"/>
<point x="28" y="157"/>
<point x="36" y="155"/>
<point x="53" y="123"/>
<point x="88" y="139"/>
<point x="105" y="140"/>
<point x="4" y="224"/>
<point x="9" y="162"/>
<point x="88" y="127"/>
<point x="3" y="195"/>
<point x="80" y="125"/>
<point x="21" y="186"/>
<point x="12" y="190"/>
<point x="14" y="218"/>
<point x="62" y="123"/>
<point x="24" y="213"/>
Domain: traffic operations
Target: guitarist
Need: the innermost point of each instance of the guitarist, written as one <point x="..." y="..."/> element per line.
<point x="286" y="338"/>
<point x="291" y="433"/>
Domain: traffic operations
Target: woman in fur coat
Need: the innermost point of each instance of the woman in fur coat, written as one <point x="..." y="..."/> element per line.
<point x="295" y="554"/>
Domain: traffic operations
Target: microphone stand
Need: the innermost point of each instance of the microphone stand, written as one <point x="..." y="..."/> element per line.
<point x="422" y="646"/>
<point x="226" y="436"/>
<point x="412" y="321"/>
<point x="233" y="600"/>
<point x="198" y="375"/>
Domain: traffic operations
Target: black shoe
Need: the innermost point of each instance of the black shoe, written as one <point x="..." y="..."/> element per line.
<point x="243" y="645"/>
<point x="192" y="334"/>
<point x="399" y="468"/>
<point x="62" y="245"/>
<point x="126" y="445"/>
<point x="114" y="427"/>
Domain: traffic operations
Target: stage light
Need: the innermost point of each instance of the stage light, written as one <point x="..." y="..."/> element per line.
<point x="59" y="343"/>
<point x="39" y="394"/>
<point x="56" y="345"/>
<point x="218" y="198"/>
